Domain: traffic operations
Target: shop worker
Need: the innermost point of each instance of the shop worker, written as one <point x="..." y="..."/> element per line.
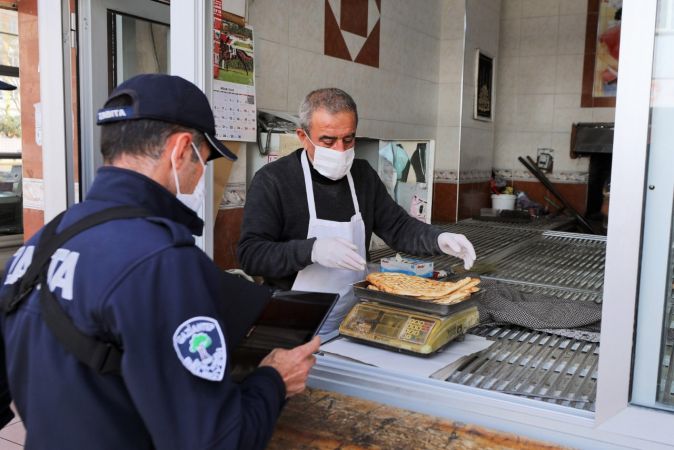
<point x="138" y="285"/>
<point x="309" y="216"/>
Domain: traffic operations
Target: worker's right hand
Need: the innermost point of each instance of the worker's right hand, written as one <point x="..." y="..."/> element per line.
<point x="293" y="365"/>
<point x="337" y="253"/>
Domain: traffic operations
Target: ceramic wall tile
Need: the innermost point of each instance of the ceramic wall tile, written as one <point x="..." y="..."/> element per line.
<point x="569" y="74"/>
<point x="449" y="101"/>
<point x="422" y="102"/>
<point x="476" y="149"/>
<point x="511" y="9"/>
<point x="274" y="27"/>
<point x="539" y="36"/>
<point x="422" y="61"/>
<point x="415" y="15"/>
<point x="369" y="128"/>
<point x="306" y="24"/>
<point x="572" y="7"/>
<point x="507" y="75"/>
<point x="271" y="75"/>
<point x="537" y="75"/>
<point x="453" y="13"/>
<point x="506" y="114"/>
<point x="538" y="8"/>
<point x="392" y="46"/>
<point x="565" y="117"/>
<point x="571" y="38"/>
<point x="510" y="35"/>
<point x="309" y="71"/>
<point x="567" y="101"/>
<point x="451" y="61"/>
<point x="447" y="148"/>
<point x="536" y="112"/>
<point x="603" y="114"/>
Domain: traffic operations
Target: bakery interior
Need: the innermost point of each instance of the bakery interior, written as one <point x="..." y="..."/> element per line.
<point x="480" y="117"/>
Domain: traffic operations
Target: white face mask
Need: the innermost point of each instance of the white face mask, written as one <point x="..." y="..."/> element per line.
<point x="331" y="163"/>
<point x="196" y="198"/>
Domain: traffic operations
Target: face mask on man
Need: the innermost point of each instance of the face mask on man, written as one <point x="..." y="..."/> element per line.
<point x="196" y="198"/>
<point x="331" y="163"/>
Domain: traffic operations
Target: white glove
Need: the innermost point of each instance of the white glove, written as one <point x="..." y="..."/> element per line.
<point x="337" y="253"/>
<point x="457" y="245"/>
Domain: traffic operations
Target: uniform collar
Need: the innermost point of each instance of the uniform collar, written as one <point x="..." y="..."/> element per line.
<point x="127" y="187"/>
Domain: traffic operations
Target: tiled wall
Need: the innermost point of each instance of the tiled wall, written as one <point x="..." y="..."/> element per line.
<point x="477" y="137"/>
<point x="398" y="100"/>
<point x="539" y="83"/>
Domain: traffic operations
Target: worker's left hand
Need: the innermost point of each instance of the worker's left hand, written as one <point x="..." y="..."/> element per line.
<point x="457" y="245"/>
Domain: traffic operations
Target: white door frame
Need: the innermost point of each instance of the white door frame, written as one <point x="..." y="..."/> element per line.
<point x="191" y="47"/>
<point x="52" y="38"/>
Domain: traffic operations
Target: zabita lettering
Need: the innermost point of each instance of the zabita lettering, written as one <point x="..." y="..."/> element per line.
<point x="60" y="274"/>
<point x="110" y="113"/>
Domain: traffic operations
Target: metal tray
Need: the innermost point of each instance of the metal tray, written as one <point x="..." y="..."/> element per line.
<point x="362" y="292"/>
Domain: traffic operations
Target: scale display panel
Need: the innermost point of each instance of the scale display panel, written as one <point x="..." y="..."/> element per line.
<point x="405" y="330"/>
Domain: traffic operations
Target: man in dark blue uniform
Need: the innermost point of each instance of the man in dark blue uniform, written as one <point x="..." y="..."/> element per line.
<point x="141" y="285"/>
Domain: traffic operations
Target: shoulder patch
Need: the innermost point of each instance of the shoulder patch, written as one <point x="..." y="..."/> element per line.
<point x="200" y="347"/>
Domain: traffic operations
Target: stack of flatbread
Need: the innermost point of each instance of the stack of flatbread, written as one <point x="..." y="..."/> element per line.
<point x="443" y="292"/>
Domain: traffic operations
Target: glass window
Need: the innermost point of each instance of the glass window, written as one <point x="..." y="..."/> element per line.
<point x="653" y="372"/>
<point x="11" y="207"/>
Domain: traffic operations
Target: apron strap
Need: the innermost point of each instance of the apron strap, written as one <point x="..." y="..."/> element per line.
<point x="356" y="208"/>
<point x="308" y="186"/>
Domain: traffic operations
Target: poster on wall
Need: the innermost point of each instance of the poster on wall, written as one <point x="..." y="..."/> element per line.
<point x="484" y="86"/>
<point x="602" y="51"/>
<point x="233" y="78"/>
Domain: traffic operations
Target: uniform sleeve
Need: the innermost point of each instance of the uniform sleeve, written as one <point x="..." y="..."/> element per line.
<point x="398" y="229"/>
<point x="160" y="312"/>
<point x="262" y="250"/>
<point x="6" y="413"/>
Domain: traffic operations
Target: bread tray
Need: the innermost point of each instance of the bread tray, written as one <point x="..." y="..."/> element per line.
<point x="363" y="293"/>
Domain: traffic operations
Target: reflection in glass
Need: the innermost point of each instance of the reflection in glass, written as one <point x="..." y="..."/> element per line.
<point x="137" y="46"/>
<point x="666" y="377"/>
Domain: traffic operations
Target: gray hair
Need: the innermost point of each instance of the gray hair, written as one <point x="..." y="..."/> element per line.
<point x="333" y="100"/>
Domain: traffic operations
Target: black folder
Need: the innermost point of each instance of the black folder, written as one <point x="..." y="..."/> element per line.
<point x="258" y="320"/>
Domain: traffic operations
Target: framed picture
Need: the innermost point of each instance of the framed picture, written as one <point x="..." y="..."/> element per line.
<point x="602" y="46"/>
<point x="484" y="87"/>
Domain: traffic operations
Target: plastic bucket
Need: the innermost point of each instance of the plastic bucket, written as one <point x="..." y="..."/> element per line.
<point x="503" y="201"/>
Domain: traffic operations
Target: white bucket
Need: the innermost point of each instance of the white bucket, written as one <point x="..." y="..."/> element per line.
<point x="503" y="201"/>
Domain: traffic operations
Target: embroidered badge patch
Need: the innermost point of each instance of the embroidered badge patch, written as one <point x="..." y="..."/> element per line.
<point x="200" y="346"/>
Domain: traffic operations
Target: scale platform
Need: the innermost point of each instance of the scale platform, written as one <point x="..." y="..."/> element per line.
<point x="406" y="330"/>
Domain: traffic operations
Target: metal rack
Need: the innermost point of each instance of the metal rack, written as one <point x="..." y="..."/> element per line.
<point x="486" y="238"/>
<point x="536" y="365"/>
<point x="553" y="368"/>
<point x="554" y="259"/>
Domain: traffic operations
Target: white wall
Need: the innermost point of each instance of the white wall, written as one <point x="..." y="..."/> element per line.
<point x="449" y="90"/>
<point x="539" y="84"/>
<point x="415" y="92"/>
<point x="477" y="137"/>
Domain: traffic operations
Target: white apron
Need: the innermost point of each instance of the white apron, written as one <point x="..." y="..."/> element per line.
<point x="316" y="278"/>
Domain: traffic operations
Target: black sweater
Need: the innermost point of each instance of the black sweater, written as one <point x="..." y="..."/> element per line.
<point x="274" y="240"/>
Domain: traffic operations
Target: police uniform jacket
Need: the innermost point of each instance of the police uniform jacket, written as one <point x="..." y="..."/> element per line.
<point x="142" y="284"/>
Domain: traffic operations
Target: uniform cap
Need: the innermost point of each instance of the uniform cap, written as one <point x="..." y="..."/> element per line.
<point x="168" y="98"/>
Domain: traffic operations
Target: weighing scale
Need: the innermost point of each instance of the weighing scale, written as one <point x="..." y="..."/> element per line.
<point x="407" y="330"/>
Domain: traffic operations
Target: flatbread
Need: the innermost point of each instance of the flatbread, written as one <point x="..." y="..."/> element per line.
<point x="413" y="286"/>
